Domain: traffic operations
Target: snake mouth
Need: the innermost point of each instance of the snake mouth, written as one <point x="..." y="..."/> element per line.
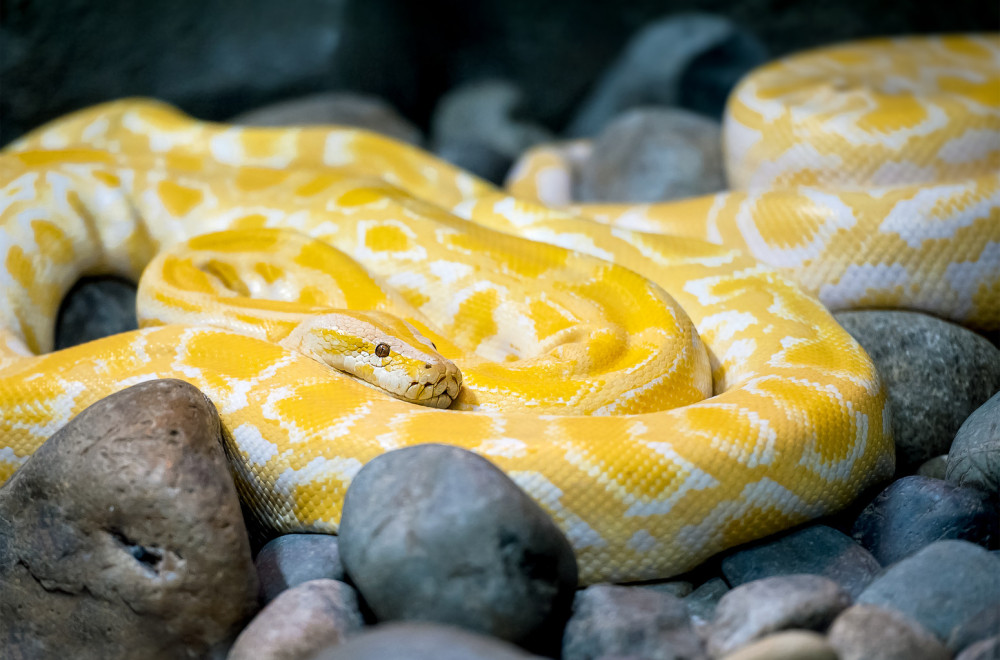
<point x="437" y="394"/>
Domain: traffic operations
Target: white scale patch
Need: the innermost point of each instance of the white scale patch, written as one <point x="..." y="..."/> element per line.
<point x="258" y="450"/>
<point x="318" y="469"/>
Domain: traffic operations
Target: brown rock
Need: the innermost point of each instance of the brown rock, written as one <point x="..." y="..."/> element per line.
<point x="787" y="645"/>
<point x="299" y="622"/>
<point x="866" y="632"/>
<point x="122" y="535"/>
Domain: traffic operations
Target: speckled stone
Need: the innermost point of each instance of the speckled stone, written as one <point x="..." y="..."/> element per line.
<point x="867" y="632"/>
<point x="422" y="641"/>
<point x="974" y="458"/>
<point x="786" y="645"/>
<point x="292" y="559"/>
<point x="95" y="307"/>
<point x="937" y="373"/>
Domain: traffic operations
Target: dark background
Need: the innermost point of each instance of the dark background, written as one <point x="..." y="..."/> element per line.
<point x="215" y="58"/>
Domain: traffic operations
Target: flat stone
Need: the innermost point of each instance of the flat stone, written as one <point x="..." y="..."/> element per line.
<point x="422" y="641"/>
<point x="437" y="533"/>
<point x="292" y="559"/>
<point x="988" y="649"/>
<point x="941" y="586"/>
<point x="300" y="622"/>
<point x="867" y="632"/>
<point x="816" y="550"/>
<point x="623" y="621"/>
<point x="95" y="307"/>
<point x="915" y="511"/>
<point x="978" y="627"/>
<point x="974" y="458"/>
<point x="761" y="607"/>
<point x="786" y="645"/>
<point x="121" y="536"/>
<point x="937" y="373"/>
<point x="701" y="602"/>
<point x="334" y="108"/>
<point x="653" y="155"/>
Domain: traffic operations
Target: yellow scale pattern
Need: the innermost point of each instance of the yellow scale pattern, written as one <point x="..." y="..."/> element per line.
<point x="569" y="324"/>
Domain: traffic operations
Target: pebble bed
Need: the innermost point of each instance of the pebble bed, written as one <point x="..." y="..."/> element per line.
<point x="123" y="535"/>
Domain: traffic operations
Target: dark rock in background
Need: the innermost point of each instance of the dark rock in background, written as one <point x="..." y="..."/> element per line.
<point x="215" y="58"/>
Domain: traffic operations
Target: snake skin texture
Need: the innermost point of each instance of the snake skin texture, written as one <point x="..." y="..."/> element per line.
<point x="662" y="379"/>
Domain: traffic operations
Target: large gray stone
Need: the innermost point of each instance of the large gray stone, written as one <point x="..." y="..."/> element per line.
<point x="941" y="586"/>
<point x="937" y="373"/>
<point x="974" y="458"/>
<point x="94" y="308"/>
<point x="437" y="533"/>
<point x="122" y="535"/>
<point x="622" y="621"/>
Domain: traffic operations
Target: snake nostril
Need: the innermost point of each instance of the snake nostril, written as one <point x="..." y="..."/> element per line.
<point x="427" y="365"/>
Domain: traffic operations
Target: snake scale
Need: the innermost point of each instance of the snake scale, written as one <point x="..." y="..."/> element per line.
<point x="665" y="380"/>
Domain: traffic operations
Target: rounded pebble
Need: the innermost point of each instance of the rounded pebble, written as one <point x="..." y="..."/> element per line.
<point x="300" y="622"/>
<point x="866" y="632"/>
<point x="422" y="641"/>
<point x="341" y="108"/>
<point x="935" y="468"/>
<point x="974" y="459"/>
<point x="941" y="586"/>
<point x="787" y="645"/>
<point x="937" y="373"/>
<point x="815" y="550"/>
<point x="701" y="602"/>
<point x="761" y="607"/>
<point x="622" y="621"/>
<point x="915" y="511"/>
<point x="437" y="533"/>
<point x="653" y="155"/>
<point x="292" y="559"/>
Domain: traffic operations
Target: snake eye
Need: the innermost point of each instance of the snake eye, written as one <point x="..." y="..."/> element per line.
<point x="382" y="350"/>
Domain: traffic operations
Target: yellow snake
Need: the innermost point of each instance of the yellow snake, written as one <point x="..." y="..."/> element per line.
<point x="660" y="392"/>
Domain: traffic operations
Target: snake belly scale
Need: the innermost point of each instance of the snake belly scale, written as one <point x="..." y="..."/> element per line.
<point x="662" y="396"/>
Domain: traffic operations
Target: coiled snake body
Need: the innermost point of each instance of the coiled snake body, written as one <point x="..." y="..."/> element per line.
<point x="658" y="390"/>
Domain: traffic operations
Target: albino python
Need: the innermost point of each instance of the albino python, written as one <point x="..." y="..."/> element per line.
<point x="663" y="379"/>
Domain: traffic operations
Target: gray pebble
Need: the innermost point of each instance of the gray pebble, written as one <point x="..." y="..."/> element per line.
<point x="755" y="609"/>
<point x="292" y="559"/>
<point x="301" y="621"/>
<point x="653" y="155"/>
<point x="816" y="550"/>
<point x="437" y="533"/>
<point x="95" y="307"/>
<point x="340" y="108"/>
<point x="867" y="632"/>
<point x="422" y="641"/>
<point x="701" y="602"/>
<point x="485" y="112"/>
<point x="974" y="459"/>
<point x="979" y="626"/>
<point x="623" y="621"/>
<point x="937" y="373"/>
<point x="988" y="649"/>
<point x="661" y="62"/>
<point x="678" y="588"/>
<point x="786" y="645"/>
<point x="935" y="468"/>
<point x="941" y="586"/>
<point x="915" y="511"/>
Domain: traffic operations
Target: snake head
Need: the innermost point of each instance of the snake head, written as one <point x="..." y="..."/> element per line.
<point x="382" y="350"/>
